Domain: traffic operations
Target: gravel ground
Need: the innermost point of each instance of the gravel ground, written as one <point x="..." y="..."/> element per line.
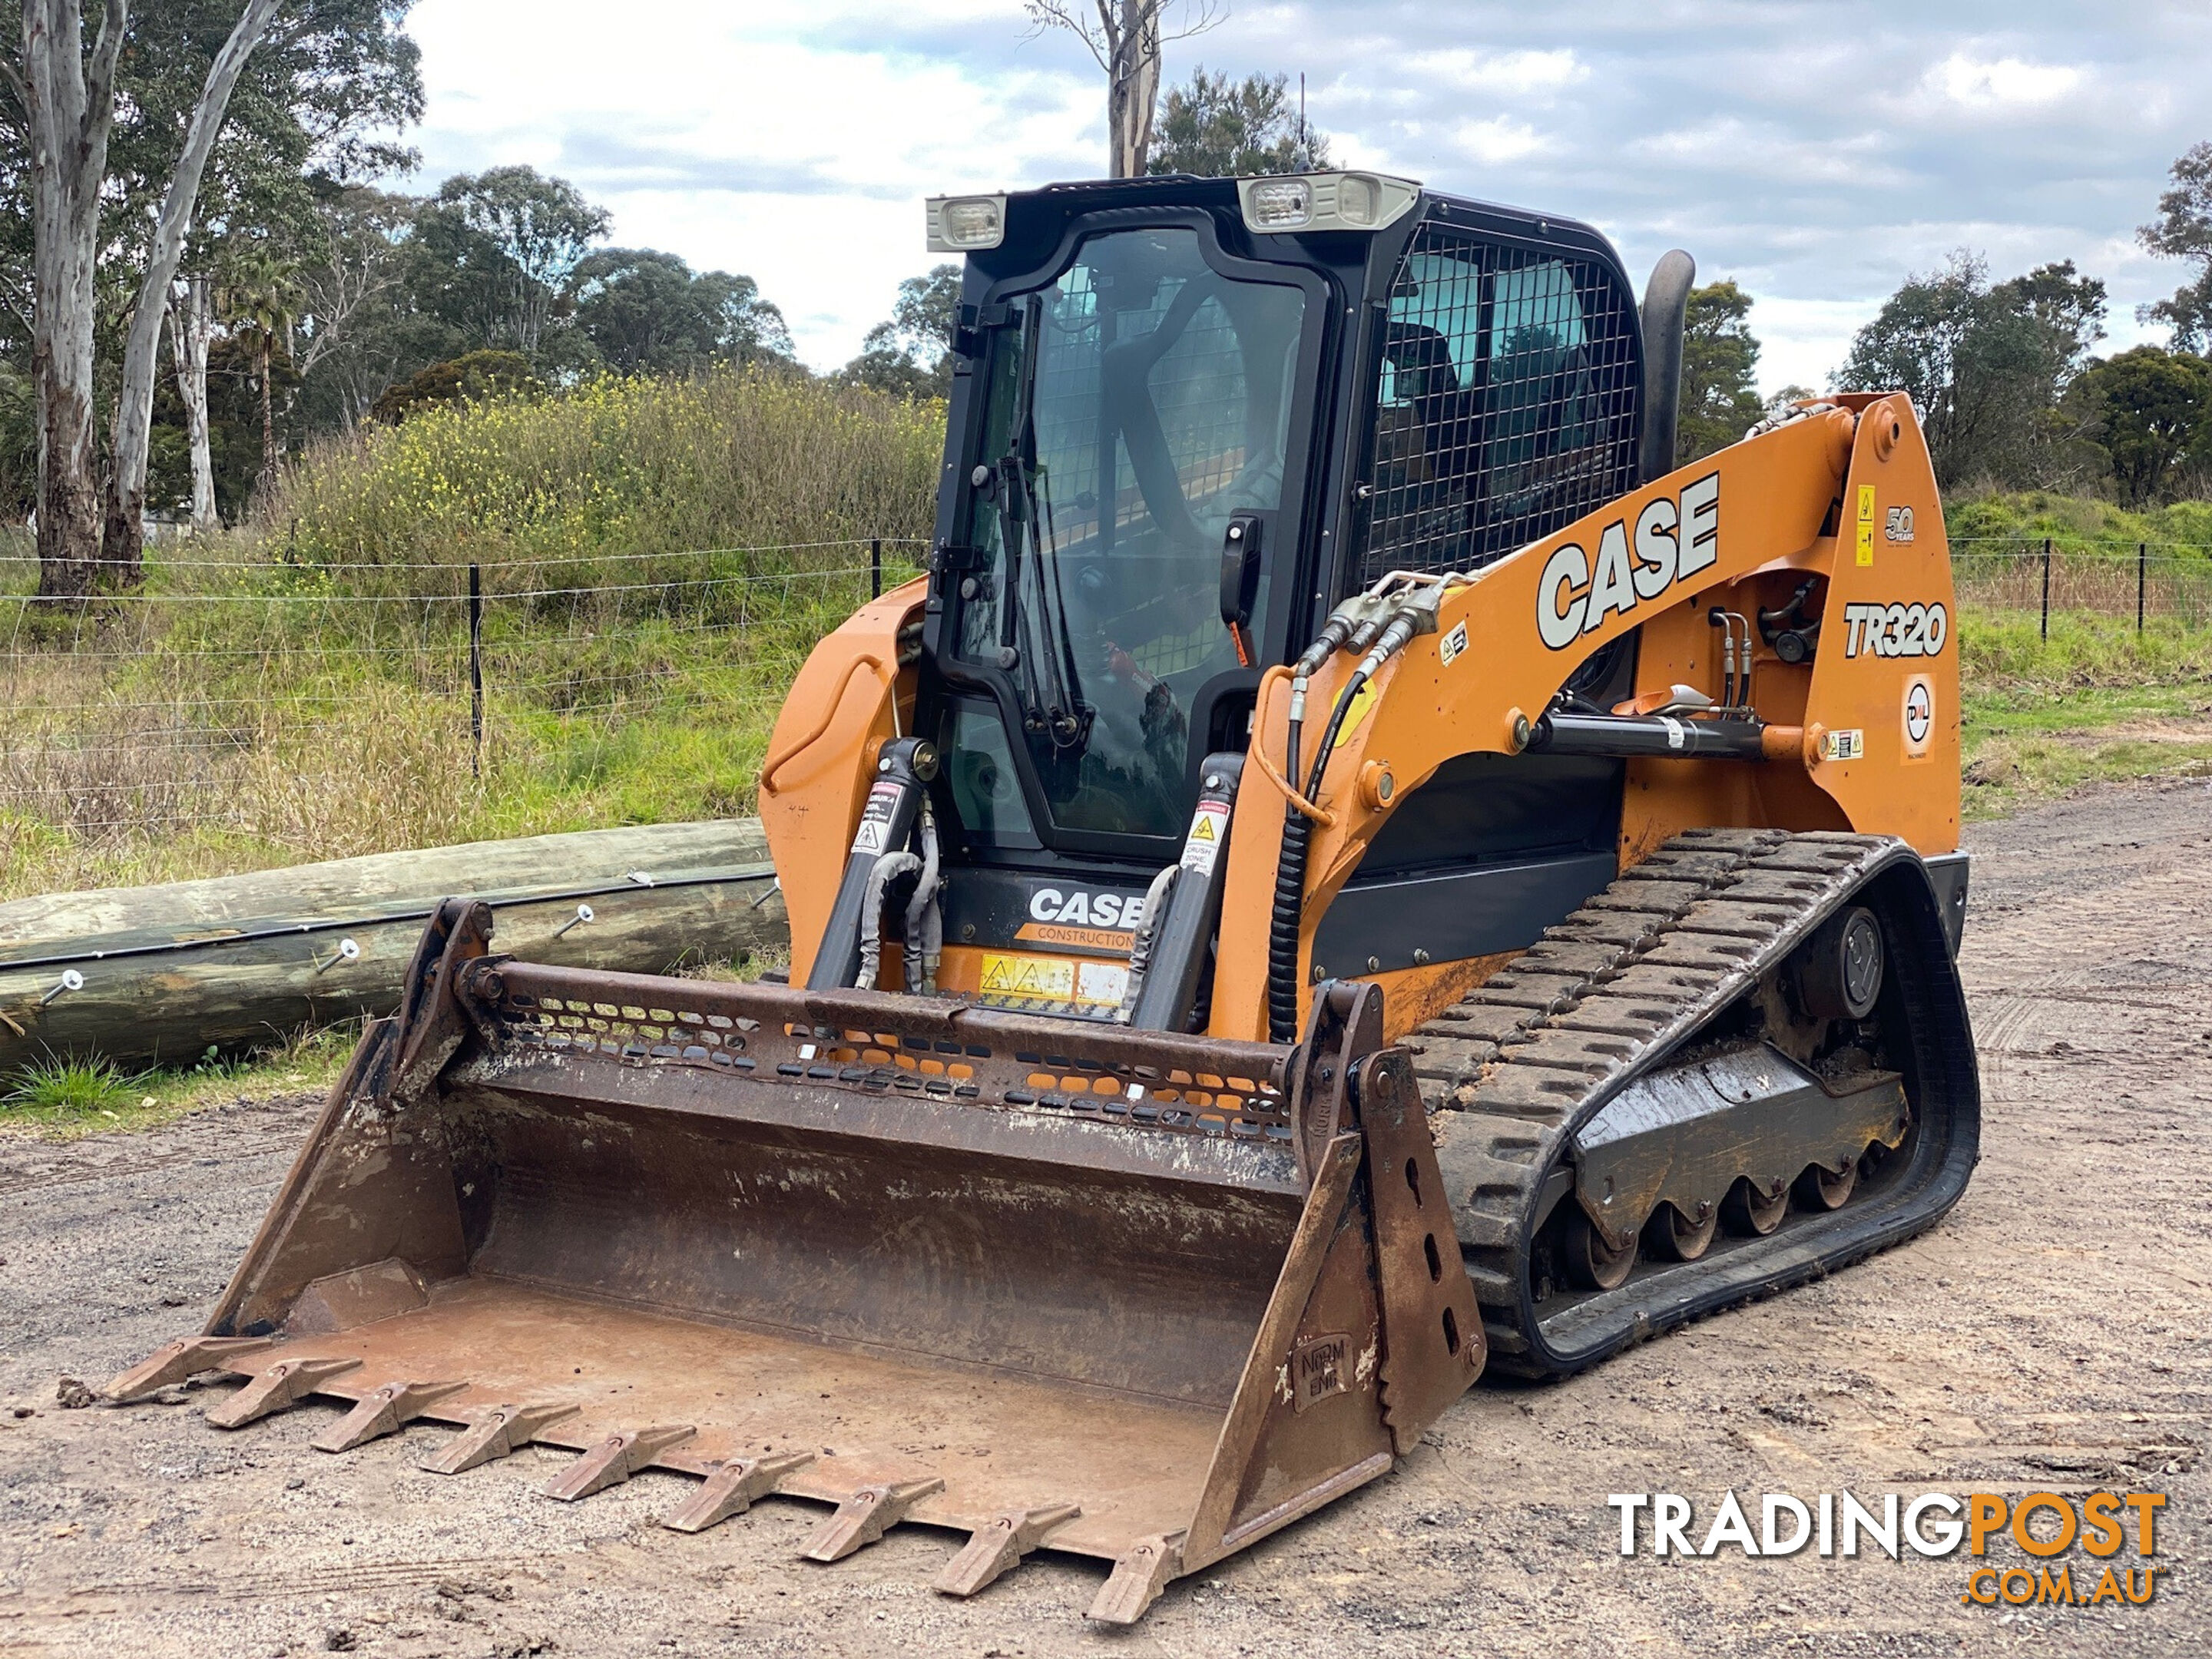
<point x="2053" y="1334"/>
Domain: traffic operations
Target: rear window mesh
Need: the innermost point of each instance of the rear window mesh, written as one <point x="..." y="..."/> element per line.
<point x="1505" y="402"/>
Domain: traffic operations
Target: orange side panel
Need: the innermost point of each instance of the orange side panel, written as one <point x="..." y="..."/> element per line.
<point x="1681" y="647"/>
<point x="1886" y="678"/>
<point x="840" y="711"/>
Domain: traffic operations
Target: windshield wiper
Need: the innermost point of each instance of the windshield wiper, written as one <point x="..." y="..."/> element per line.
<point x="1049" y="710"/>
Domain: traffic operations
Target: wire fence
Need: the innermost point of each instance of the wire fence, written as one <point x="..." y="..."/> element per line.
<point x="2147" y="582"/>
<point x="319" y="710"/>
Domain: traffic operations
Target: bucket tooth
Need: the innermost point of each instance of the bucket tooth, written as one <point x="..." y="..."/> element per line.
<point x="282" y="1386"/>
<point x="733" y="1488"/>
<point x="996" y="1549"/>
<point x="173" y="1362"/>
<point x="381" y="1412"/>
<point x="1139" y="1579"/>
<point x="866" y="1515"/>
<point x="614" y="1459"/>
<point x="499" y="1432"/>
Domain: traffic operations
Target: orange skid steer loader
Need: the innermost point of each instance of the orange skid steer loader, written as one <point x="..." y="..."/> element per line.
<point x="1350" y="867"/>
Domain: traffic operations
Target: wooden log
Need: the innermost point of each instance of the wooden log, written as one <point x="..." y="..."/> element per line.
<point x="241" y="961"/>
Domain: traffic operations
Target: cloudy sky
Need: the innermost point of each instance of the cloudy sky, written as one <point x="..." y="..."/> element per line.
<point x="1816" y="152"/>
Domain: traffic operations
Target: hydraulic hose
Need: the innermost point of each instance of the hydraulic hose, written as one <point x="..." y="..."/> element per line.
<point x="924" y="920"/>
<point x="1283" y="929"/>
<point x="885" y="870"/>
<point x="1287" y="913"/>
<point x="1284" y="920"/>
<point x="1148" y="930"/>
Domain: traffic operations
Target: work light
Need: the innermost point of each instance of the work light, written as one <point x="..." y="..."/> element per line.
<point x="1325" y="201"/>
<point x="966" y="224"/>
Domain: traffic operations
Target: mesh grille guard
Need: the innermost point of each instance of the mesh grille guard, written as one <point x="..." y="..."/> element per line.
<point x="1506" y="401"/>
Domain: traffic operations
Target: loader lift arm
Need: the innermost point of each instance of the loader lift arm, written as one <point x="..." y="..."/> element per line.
<point x="1478" y="672"/>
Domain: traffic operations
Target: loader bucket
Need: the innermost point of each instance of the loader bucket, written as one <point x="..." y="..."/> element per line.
<point x="1132" y="1296"/>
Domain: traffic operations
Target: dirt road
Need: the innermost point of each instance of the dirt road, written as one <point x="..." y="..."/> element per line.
<point x="2055" y="1333"/>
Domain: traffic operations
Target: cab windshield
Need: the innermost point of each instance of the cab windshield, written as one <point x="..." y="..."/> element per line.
<point x="1133" y="407"/>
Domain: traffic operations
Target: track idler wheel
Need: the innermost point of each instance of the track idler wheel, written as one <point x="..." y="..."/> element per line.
<point x="1751" y="1214"/>
<point x="1673" y="1237"/>
<point x="1838" y="972"/>
<point x="1592" y="1263"/>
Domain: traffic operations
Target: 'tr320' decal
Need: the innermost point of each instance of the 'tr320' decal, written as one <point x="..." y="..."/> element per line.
<point x="1895" y="630"/>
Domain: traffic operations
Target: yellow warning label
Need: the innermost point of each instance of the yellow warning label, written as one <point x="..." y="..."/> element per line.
<point x="1865" y="503"/>
<point x="1866" y="524"/>
<point x="1362" y="701"/>
<point x="1026" y="980"/>
<point x="1202" y="846"/>
<point x="1028" y="976"/>
<point x="1866" y="544"/>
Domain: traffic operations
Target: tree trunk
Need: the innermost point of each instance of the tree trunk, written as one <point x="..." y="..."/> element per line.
<point x="714" y="900"/>
<point x="68" y="105"/>
<point x="188" y="333"/>
<point x="124" y="536"/>
<point x="1133" y="86"/>
<point x="69" y="491"/>
<point x="268" y="422"/>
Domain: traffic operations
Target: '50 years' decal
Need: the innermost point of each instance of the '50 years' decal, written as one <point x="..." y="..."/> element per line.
<point x="1895" y="630"/>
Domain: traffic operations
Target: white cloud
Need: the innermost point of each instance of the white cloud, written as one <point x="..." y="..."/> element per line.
<point x="2000" y="84"/>
<point x="1499" y="139"/>
<point x="1801" y="340"/>
<point x="798" y="159"/>
<point x="1522" y="72"/>
<point x="794" y="143"/>
<point x="1745" y="150"/>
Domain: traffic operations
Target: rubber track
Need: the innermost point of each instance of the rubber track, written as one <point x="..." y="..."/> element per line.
<point x="1511" y="1072"/>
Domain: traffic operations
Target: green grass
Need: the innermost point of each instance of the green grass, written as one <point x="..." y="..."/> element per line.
<point x="64" y="1097"/>
<point x="2096" y="702"/>
<point x="62" y="1088"/>
<point x="656" y="560"/>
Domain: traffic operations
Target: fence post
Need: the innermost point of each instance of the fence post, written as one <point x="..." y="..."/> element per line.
<point x="475" y="671"/>
<point x="2142" y="570"/>
<point x="2046" y="587"/>
<point x="876" y="567"/>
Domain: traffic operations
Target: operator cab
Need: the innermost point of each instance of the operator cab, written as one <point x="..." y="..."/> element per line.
<point x="1190" y="415"/>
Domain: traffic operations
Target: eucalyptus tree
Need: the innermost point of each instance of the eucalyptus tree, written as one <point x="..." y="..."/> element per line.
<point x="2183" y="230"/>
<point x="129" y="146"/>
<point x="1125" y="38"/>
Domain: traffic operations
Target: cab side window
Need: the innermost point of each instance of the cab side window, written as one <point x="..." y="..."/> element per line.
<point x="1505" y="402"/>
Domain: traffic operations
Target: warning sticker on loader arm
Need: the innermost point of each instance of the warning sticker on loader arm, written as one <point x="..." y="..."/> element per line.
<point x="1209" y="828"/>
<point x="874" y="834"/>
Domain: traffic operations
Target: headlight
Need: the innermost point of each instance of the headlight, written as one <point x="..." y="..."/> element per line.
<point x="1358" y="197"/>
<point x="1326" y="201"/>
<point x="1278" y="204"/>
<point x="966" y="224"/>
